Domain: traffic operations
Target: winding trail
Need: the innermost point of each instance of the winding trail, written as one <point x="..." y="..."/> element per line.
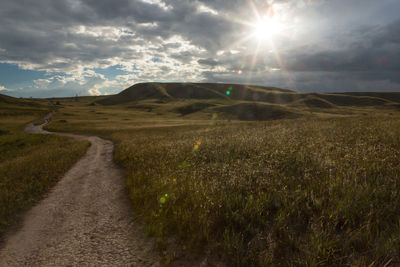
<point x="85" y="220"/>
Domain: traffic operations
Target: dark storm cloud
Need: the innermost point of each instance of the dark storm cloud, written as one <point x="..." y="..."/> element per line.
<point x="141" y="12"/>
<point x="184" y="57"/>
<point x="208" y="61"/>
<point x="39" y="31"/>
<point x="376" y="57"/>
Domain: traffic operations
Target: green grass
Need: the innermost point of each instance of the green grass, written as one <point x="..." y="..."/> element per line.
<point x="29" y="164"/>
<point x="318" y="190"/>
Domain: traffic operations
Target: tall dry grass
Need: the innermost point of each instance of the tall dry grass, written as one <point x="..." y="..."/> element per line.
<point x="295" y="192"/>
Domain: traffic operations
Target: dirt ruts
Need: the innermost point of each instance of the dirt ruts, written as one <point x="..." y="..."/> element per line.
<point x="85" y="220"/>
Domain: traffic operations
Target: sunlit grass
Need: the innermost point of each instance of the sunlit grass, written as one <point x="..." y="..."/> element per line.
<point x="294" y="192"/>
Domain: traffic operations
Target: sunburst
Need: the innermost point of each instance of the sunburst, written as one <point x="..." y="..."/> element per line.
<point x="266" y="28"/>
<point x="268" y="24"/>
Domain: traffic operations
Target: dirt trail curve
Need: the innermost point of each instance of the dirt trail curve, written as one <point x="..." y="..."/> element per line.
<point x="84" y="221"/>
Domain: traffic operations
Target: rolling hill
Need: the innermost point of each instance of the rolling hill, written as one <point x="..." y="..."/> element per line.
<point x="8" y="100"/>
<point x="391" y="96"/>
<point x="20" y="106"/>
<point x="170" y="91"/>
<point x="244" y="102"/>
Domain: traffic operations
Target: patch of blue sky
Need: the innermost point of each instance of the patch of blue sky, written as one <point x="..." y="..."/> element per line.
<point x="126" y="31"/>
<point x="111" y="72"/>
<point x="156" y="60"/>
<point x="13" y="77"/>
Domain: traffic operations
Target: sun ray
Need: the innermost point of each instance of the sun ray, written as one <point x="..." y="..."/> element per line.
<point x="267" y="23"/>
<point x="253" y="62"/>
<point x="282" y="66"/>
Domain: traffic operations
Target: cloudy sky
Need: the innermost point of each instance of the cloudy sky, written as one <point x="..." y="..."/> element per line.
<point x="90" y="47"/>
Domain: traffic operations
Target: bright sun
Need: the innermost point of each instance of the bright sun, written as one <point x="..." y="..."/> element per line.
<point x="266" y="28"/>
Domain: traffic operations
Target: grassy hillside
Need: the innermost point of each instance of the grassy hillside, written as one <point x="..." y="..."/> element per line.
<point x="257" y="112"/>
<point x="320" y="189"/>
<point x="244" y="102"/>
<point x="29" y="164"/>
<point x="391" y="96"/>
<point x="312" y="101"/>
<point x="348" y="100"/>
<point x="168" y="91"/>
<point x="10" y="106"/>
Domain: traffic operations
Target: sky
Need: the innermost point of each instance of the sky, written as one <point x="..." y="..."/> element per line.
<point x="53" y="48"/>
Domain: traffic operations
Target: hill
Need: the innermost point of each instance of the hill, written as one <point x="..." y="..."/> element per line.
<point x="257" y="112"/>
<point x="391" y="96"/>
<point x="21" y="106"/>
<point x="313" y="102"/>
<point x="170" y="91"/>
<point x="8" y="100"/>
<point x="244" y="102"/>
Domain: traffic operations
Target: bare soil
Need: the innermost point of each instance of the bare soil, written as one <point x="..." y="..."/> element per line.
<point x="86" y="219"/>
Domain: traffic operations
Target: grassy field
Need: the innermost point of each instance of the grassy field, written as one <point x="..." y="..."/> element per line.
<point x="316" y="190"/>
<point x="29" y="164"/>
<point x="322" y="192"/>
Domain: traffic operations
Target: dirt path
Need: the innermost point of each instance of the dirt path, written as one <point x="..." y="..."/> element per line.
<point x="84" y="221"/>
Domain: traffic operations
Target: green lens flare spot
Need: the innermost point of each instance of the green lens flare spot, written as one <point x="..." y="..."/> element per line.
<point x="162" y="200"/>
<point x="228" y="93"/>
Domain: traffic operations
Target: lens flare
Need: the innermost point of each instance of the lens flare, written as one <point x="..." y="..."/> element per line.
<point x="196" y="146"/>
<point x="229" y="90"/>
<point x="163" y="199"/>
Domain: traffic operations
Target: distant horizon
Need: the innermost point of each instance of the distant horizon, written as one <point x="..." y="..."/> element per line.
<point x="88" y="95"/>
